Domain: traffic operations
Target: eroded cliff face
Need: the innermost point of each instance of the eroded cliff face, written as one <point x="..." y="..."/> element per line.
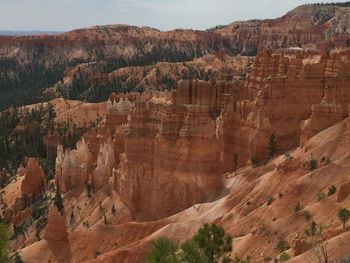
<point x="157" y="145"/>
<point x="334" y="104"/>
<point x="282" y="90"/>
<point x="171" y="158"/>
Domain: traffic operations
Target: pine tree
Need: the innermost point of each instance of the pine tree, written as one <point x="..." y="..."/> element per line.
<point x="58" y="199"/>
<point x="4" y="243"/>
<point x="211" y="239"/>
<point x="344" y="216"/>
<point x="163" y="251"/>
<point x="272" y="145"/>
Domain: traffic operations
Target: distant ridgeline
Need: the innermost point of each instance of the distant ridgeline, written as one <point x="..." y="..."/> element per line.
<point x="32" y="68"/>
<point x="25" y="76"/>
<point x="345" y="4"/>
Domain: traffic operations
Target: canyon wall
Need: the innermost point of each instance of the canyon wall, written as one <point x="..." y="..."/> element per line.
<point x="163" y="152"/>
<point x="283" y="89"/>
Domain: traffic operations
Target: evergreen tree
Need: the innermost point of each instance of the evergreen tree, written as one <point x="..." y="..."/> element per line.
<point x="163" y="251"/>
<point x="4" y="242"/>
<point x="58" y="199"/>
<point x="344" y="215"/>
<point x="192" y="253"/>
<point x="211" y="239"/>
<point x="209" y="245"/>
<point x="272" y="145"/>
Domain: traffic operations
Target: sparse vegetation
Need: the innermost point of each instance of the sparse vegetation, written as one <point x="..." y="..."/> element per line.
<point x="270" y="200"/>
<point x="313" y="164"/>
<point x="313" y="228"/>
<point x="332" y="190"/>
<point x="282" y="246"/>
<point x="320" y="196"/>
<point x="272" y="145"/>
<point x="4" y="242"/>
<point x="163" y="250"/>
<point x="210" y="244"/>
<point x="58" y="199"/>
<point x="284" y="257"/>
<point x="344" y="216"/>
<point x="298" y="207"/>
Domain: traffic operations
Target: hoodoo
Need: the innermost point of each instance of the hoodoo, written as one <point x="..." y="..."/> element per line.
<point x="130" y="144"/>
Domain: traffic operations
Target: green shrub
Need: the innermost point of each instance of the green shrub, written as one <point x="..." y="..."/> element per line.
<point x="284" y="257"/>
<point x="344" y="216"/>
<point x="271" y="145"/>
<point x="298" y="207"/>
<point x="4" y="242"/>
<point x="282" y="246"/>
<point x="320" y="196"/>
<point x="313" y="165"/>
<point x="332" y="190"/>
<point x="313" y="228"/>
<point x="270" y="200"/>
<point x="210" y="244"/>
<point x="163" y="250"/>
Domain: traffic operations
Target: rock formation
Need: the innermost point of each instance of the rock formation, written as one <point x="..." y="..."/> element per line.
<point x="159" y="143"/>
<point x="56" y="228"/>
<point x="344" y="192"/>
<point x="278" y="95"/>
<point x="33" y="182"/>
<point x="299" y="246"/>
<point x="117" y="112"/>
<point x="167" y="149"/>
<point x="105" y="165"/>
<point x="73" y="166"/>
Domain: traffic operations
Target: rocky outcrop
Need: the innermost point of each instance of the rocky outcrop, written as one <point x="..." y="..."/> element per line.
<point x="73" y="166"/>
<point x="56" y="228"/>
<point x="33" y="182"/>
<point x="344" y="192"/>
<point x="334" y="105"/>
<point x="117" y="112"/>
<point x="299" y="246"/>
<point x="105" y="165"/>
<point x="323" y="116"/>
<point x="278" y="95"/>
<point x="76" y="168"/>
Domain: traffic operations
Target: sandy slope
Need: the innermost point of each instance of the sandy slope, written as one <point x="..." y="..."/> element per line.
<point x="243" y="212"/>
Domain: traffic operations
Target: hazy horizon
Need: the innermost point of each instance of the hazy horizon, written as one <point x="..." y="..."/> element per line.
<point x="48" y="15"/>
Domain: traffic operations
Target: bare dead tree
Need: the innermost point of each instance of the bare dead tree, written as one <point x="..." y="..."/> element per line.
<point x="319" y="251"/>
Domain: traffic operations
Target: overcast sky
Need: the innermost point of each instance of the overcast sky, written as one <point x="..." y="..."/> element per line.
<point x="63" y="15"/>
